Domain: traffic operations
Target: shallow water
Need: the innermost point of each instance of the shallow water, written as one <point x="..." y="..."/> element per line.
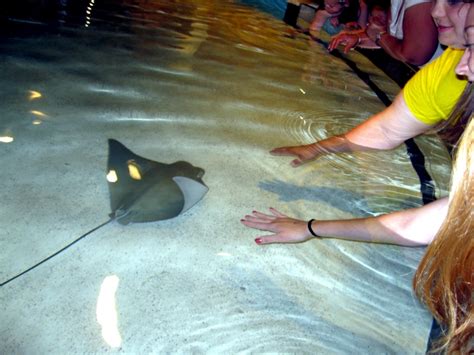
<point x="217" y="84"/>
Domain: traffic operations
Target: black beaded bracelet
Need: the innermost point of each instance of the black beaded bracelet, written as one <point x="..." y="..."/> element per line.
<point x="311" y="229"/>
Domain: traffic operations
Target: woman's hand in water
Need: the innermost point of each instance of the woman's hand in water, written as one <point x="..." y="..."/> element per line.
<point x="303" y="153"/>
<point x="284" y="228"/>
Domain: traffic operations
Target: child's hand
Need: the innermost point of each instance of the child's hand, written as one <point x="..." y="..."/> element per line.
<point x="348" y="40"/>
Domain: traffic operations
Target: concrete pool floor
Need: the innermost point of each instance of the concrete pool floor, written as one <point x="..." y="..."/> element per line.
<point x="216" y="84"/>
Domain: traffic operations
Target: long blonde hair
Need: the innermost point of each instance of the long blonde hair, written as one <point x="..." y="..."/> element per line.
<point x="444" y="280"/>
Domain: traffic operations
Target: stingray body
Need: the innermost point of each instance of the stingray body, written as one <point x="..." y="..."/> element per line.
<point x="143" y="190"/>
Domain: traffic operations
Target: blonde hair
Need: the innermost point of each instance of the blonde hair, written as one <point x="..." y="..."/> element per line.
<point x="444" y="280"/>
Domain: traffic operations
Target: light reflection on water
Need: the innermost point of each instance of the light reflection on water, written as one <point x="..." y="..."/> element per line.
<point x="106" y="311"/>
<point x="217" y="84"/>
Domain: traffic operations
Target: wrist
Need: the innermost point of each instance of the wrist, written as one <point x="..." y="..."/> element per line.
<point x="316" y="149"/>
<point x="378" y="37"/>
<point x="311" y="229"/>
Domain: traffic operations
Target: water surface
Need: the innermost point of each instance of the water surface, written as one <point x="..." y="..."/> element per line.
<point x="217" y="84"/>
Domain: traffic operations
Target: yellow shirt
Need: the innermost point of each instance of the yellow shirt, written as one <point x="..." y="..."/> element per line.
<point x="432" y="93"/>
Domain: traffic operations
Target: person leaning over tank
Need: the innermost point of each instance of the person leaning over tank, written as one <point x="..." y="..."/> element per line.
<point x="378" y="18"/>
<point x="410" y="36"/>
<point x="338" y="15"/>
<point x="445" y="276"/>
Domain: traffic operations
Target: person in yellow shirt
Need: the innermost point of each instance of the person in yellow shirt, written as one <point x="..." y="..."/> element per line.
<point x="444" y="278"/>
<point x="425" y="101"/>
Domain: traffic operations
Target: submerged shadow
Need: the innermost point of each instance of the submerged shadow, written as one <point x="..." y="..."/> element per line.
<point x="347" y="201"/>
<point x="261" y="297"/>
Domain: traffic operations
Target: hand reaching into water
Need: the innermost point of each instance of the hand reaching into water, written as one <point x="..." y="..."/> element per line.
<point x="303" y="153"/>
<point x="348" y="40"/>
<point x="284" y="228"/>
<point x="308" y="152"/>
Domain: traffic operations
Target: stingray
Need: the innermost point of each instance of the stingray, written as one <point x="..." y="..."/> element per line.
<point x="144" y="190"/>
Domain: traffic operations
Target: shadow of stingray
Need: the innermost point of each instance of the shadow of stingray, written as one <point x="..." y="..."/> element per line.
<point x="347" y="201"/>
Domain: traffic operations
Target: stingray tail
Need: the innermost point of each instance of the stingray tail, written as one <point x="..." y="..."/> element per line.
<point x="56" y="253"/>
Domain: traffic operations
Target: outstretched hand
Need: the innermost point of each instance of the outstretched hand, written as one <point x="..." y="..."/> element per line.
<point x="284" y="228"/>
<point x="348" y="40"/>
<point x="303" y="153"/>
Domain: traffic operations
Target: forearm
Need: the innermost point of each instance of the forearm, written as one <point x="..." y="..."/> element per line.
<point x="363" y="14"/>
<point x="399" y="49"/>
<point x="389" y="128"/>
<point x="394" y="47"/>
<point x="383" y="131"/>
<point x="318" y="21"/>
<point x="412" y="227"/>
<point x="362" y="230"/>
<point x="336" y="144"/>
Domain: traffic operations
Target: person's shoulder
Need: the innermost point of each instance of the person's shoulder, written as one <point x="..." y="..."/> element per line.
<point x="447" y="59"/>
<point x="454" y="52"/>
<point x="439" y="70"/>
<point x="432" y="92"/>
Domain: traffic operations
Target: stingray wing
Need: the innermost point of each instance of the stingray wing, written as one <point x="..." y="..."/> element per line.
<point x="193" y="191"/>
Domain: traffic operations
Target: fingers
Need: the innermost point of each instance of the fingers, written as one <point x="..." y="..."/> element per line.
<point x="251" y="222"/>
<point x="332" y="45"/>
<point x="284" y="228"/>
<point x="262" y="216"/>
<point x="336" y="42"/>
<point x="287" y="151"/>
<point x="347" y="48"/>
<point x="297" y="162"/>
<point x="253" y="219"/>
<point x="269" y="239"/>
<point x="281" y="151"/>
<point x="259" y="217"/>
<point x="258" y="220"/>
<point x="262" y="221"/>
<point x="248" y="221"/>
<point x="277" y="213"/>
